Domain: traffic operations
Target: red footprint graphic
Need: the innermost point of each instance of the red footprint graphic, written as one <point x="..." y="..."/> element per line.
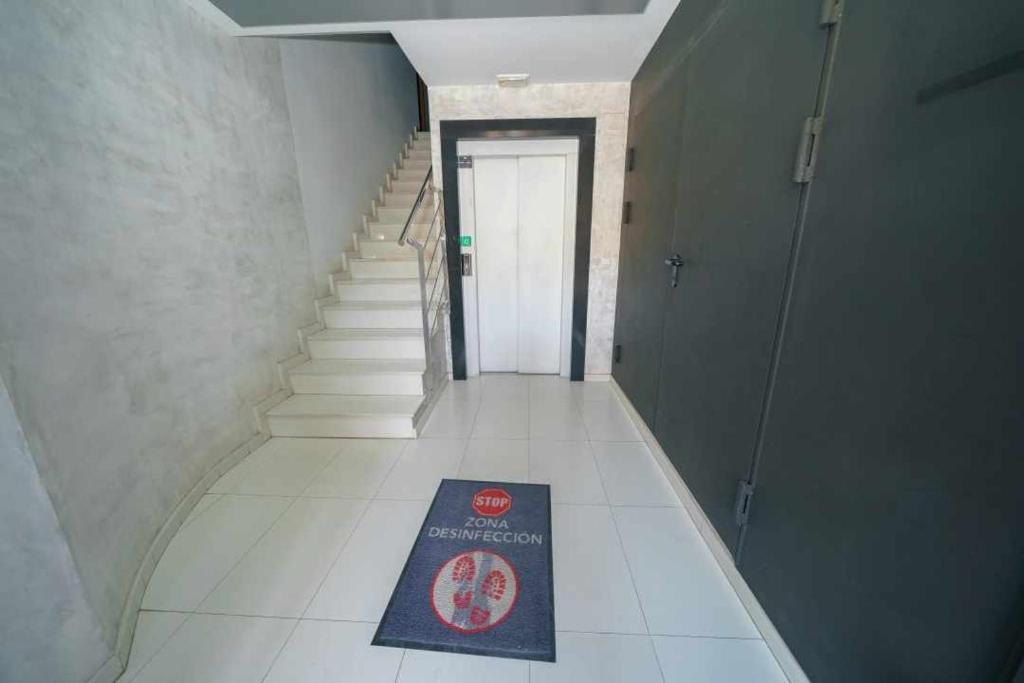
<point x="463" y="572"/>
<point x="464" y="569"/>
<point x="479" y="616"/>
<point x="494" y="585"/>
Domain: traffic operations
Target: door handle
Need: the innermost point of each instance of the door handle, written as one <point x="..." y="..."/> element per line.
<point x="675" y="263"/>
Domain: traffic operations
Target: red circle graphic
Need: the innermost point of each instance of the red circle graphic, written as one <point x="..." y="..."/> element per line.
<point x="474" y="591"/>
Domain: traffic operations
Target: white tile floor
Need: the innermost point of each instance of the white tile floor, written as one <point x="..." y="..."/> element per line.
<point x="282" y="571"/>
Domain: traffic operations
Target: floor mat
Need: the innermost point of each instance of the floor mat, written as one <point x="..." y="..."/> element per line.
<point x="478" y="579"/>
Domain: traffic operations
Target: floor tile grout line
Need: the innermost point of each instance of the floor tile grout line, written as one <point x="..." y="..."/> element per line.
<point x="376" y="492"/>
<point x="157" y="650"/>
<point x="189" y="520"/>
<point x="629" y="566"/>
<point x="644" y="506"/>
<point x="333" y="459"/>
<point x="634" y="634"/>
<point x="334" y="562"/>
<point x="625" y="555"/>
<point x="398" y="671"/>
<point x="355" y="527"/>
<point x="277" y="655"/>
<point x="636" y="591"/>
<point x="242" y="557"/>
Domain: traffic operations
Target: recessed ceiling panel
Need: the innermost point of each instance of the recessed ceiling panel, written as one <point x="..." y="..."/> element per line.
<point x="249" y="13"/>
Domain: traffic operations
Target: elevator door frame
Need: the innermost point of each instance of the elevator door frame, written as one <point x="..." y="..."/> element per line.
<point x="547" y="147"/>
<point x="583" y="129"/>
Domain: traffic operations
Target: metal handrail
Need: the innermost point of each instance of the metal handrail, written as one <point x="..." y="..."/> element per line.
<point x="416" y="206"/>
<point x="433" y="303"/>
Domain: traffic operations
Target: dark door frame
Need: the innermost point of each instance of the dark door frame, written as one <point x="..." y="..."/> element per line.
<point x="583" y="129"/>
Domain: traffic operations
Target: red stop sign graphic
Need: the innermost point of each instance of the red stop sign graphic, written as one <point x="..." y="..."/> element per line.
<point x="492" y="502"/>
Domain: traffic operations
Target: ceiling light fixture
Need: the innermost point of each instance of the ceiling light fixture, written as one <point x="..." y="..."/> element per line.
<point x="513" y="80"/>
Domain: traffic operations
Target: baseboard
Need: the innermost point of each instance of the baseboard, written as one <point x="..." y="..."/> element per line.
<point x="260" y="410"/>
<point x="787" y="662"/>
<point x="428" y="407"/>
<point x="284" y="366"/>
<point x="110" y="671"/>
<point x="114" y="666"/>
<point x="598" y="377"/>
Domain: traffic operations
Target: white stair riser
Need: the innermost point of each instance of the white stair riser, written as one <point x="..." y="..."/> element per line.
<point x="400" y="200"/>
<point x="359" y="384"/>
<point x="342" y="426"/>
<point x="366" y="349"/>
<point x="384" y="249"/>
<point x="387" y="214"/>
<point x="340" y="318"/>
<point x="378" y="232"/>
<point x="371" y="268"/>
<point x="412" y="175"/>
<point x="378" y="292"/>
<point x="406" y="186"/>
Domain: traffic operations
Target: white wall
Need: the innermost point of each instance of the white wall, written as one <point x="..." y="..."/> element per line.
<point x="353" y="104"/>
<point x="609" y="104"/>
<point x="153" y="267"/>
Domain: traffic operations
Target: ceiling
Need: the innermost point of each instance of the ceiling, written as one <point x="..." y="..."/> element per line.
<point x="589" y="46"/>
<point x="250" y="13"/>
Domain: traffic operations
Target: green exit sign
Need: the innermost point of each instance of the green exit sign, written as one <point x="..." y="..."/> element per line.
<point x="466" y="240"/>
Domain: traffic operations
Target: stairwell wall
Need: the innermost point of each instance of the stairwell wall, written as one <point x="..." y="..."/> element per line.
<point x="608" y="103"/>
<point x="154" y="265"/>
<point x="353" y="104"/>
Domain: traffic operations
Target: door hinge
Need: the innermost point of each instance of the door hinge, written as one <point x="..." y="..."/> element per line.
<point x="617" y="353"/>
<point x="630" y="158"/>
<point x="627" y="212"/>
<point x="744" y="494"/>
<point x="831" y="12"/>
<point x="464" y="161"/>
<point x="807" y="150"/>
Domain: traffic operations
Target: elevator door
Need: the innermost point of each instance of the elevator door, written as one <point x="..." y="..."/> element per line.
<point x="520" y="218"/>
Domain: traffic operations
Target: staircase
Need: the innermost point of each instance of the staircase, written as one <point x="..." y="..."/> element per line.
<point x="363" y="370"/>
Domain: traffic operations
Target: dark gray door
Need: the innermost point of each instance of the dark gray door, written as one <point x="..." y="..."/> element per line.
<point x="750" y="82"/>
<point x="646" y="234"/>
<point x="886" y="537"/>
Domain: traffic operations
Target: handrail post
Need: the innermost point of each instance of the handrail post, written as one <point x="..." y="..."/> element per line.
<point x="439" y="253"/>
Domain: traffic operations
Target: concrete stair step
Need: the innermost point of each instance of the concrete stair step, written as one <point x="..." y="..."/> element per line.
<point x="383" y="268"/>
<point x="381" y="248"/>
<point x="325" y="415"/>
<point x="415" y="175"/>
<point x="406" y="186"/>
<point x="394" y="377"/>
<point x="382" y="232"/>
<point x="396" y="214"/>
<point x="371" y="315"/>
<point x="377" y="344"/>
<point x="385" y="289"/>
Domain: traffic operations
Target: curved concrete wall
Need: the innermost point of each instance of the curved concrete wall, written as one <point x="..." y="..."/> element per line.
<point x="154" y="265"/>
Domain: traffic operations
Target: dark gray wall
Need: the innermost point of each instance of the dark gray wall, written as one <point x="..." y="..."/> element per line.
<point x="885" y="539"/>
